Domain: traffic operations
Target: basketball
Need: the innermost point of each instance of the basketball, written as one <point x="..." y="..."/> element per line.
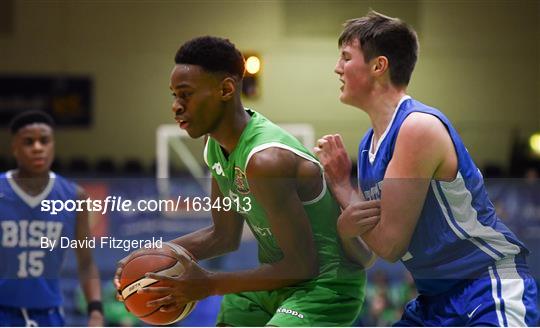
<point x="162" y="261"/>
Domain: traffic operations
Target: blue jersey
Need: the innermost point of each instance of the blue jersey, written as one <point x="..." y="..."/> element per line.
<point x="29" y="273"/>
<point x="458" y="235"/>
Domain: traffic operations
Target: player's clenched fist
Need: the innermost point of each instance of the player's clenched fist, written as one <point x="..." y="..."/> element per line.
<point x="358" y="218"/>
<point x="334" y="158"/>
<point x="337" y="168"/>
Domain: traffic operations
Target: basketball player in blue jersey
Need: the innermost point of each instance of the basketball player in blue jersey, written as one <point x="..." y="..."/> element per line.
<point x="469" y="268"/>
<point x="30" y="293"/>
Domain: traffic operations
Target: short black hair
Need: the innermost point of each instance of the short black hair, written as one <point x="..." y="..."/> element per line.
<point x="380" y="35"/>
<point x="213" y="54"/>
<point x="30" y="117"/>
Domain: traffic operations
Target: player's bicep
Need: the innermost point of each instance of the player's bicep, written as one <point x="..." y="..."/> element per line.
<point x="417" y="155"/>
<point x="272" y="180"/>
<point x="227" y="224"/>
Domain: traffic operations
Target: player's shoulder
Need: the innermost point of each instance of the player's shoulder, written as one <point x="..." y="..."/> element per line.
<point x="60" y="181"/>
<point x="68" y="184"/>
<point x="423" y="141"/>
<point x="422" y="127"/>
<point x="80" y="192"/>
<point x="420" y="119"/>
<point x="272" y="162"/>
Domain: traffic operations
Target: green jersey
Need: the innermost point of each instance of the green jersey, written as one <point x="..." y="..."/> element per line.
<point x="335" y="271"/>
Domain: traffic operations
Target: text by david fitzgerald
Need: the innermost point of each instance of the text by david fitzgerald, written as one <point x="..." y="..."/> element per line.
<point x="101" y="242"/>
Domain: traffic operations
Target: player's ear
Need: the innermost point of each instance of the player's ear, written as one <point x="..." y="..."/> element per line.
<point x="380" y="65"/>
<point x="228" y="88"/>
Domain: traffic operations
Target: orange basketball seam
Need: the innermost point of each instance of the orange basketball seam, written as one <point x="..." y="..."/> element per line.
<point x="159" y="269"/>
<point x="125" y="299"/>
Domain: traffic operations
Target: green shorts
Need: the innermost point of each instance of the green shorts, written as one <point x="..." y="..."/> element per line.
<point x="315" y="306"/>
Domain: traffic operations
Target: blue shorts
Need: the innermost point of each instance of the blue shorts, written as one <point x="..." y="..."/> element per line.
<point x="21" y="317"/>
<point x="505" y="296"/>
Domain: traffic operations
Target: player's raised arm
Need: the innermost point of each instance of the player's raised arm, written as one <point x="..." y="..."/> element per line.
<point x="423" y="151"/>
<point x="337" y="169"/>
<point x="87" y="269"/>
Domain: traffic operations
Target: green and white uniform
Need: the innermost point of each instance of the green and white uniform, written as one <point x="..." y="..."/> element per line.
<point x="335" y="296"/>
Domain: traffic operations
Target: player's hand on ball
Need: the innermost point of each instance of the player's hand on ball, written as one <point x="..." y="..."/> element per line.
<point x="119" y="267"/>
<point x="358" y="218"/>
<point x="334" y="158"/>
<point x="192" y="285"/>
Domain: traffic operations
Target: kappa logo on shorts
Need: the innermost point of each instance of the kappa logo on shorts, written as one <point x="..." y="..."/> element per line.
<point x="291" y="312"/>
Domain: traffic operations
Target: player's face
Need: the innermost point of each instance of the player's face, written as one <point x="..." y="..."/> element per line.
<point x="355" y="75"/>
<point x="33" y="148"/>
<point x="197" y="104"/>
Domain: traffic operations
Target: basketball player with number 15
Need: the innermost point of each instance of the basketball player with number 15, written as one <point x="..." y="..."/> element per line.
<point x="29" y="275"/>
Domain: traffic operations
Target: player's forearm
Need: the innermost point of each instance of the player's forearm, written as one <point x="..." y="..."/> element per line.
<point x="344" y="193"/>
<point x="265" y="277"/>
<point x="402" y="201"/>
<point x="206" y="243"/>
<point x="91" y="286"/>
<point x="385" y="244"/>
<point x="90" y="282"/>
<point x="358" y="251"/>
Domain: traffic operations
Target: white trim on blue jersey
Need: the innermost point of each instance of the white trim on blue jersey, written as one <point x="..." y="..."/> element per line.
<point x="455" y="201"/>
<point x="373" y="152"/>
<point x="30" y="200"/>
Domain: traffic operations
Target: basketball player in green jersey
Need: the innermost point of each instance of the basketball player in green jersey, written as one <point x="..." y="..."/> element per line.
<point x="308" y="275"/>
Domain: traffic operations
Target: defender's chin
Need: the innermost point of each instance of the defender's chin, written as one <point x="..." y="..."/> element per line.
<point x="194" y="134"/>
<point x="343" y="98"/>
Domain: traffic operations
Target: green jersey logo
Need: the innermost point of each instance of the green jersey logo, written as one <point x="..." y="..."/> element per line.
<point x="240" y="181"/>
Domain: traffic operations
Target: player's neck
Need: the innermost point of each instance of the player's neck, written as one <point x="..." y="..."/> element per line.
<point x="230" y="129"/>
<point x="31" y="183"/>
<point x="382" y="109"/>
